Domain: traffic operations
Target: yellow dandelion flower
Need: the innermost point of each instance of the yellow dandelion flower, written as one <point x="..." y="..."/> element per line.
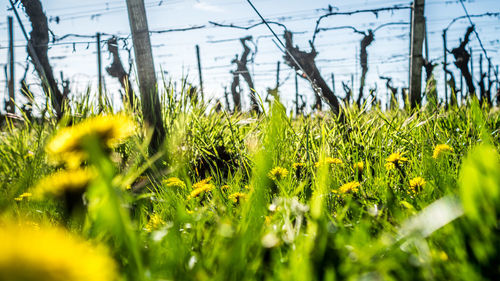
<point x="201" y="190"/>
<point x="329" y="161"/>
<point x="443" y="256"/>
<point x="237" y="197"/>
<point x="298" y="165"/>
<point x="440" y="148"/>
<point x="29" y="154"/>
<point x="277" y="173"/>
<point x="67" y="145"/>
<point x="349" y="187"/>
<point x="155" y="222"/>
<point x="416" y="184"/>
<point x="395" y="160"/>
<point x="267" y="220"/>
<point x="225" y="187"/>
<point x="389" y="166"/>
<point x="22" y="196"/>
<point x="29" y="224"/>
<point x="201" y="183"/>
<point x="174" y="182"/>
<point x="51" y="254"/>
<point x="59" y="183"/>
<point x="359" y="166"/>
<point x="299" y="169"/>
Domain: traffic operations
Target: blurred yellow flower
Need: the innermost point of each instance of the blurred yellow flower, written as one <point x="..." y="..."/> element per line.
<point x="440" y="148"/>
<point x="155" y="222"/>
<point x="22" y="196"/>
<point x="359" y="166"/>
<point x="51" y="254"/>
<point x="67" y="145"/>
<point x="29" y="154"/>
<point x="299" y="169"/>
<point x="267" y="220"/>
<point x="349" y="187"/>
<point x="201" y="187"/>
<point x="395" y="160"/>
<point x="416" y="184"/>
<point x="201" y="183"/>
<point x="328" y="161"/>
<point x="237" y="197"/>
<point x="389" y="166"/>
<point x="443" y="256"/>
<point x="277" y="173"/>
<point x="174" y="182"/>
<point x="63" y="181"/>
<point x="298" y="165"/>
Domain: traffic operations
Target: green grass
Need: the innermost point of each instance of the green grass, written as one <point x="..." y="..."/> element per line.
<point x="297" y="228"/>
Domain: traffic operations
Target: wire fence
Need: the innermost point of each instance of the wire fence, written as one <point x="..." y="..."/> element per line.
<point x="75" y="54"/>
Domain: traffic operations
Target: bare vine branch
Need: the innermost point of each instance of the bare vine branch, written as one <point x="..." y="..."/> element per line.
<point x="341" y="27"/>
<point x="359" y="31"/>
<point x="389" y="24"/>
<point x="374" y="11"/>
<point x="462" y="58"/>
<point x="489" y="14"/>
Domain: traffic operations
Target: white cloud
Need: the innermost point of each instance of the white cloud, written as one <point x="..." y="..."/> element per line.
<point x="205" y="6"/>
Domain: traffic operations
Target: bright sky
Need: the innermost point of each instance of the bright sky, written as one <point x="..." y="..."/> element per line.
<point x="174" y="53"/>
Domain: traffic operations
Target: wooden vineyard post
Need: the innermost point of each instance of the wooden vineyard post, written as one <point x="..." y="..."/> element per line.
<point x="472" y="70"/>
<point x="199" y="72"/>
<point x="11" y="102"/>
<point x="333" y="83"/>
<point x="445" y="61"/>
<point x="146" y="71"/>
<point x="417" y="38"/>
<point x="296" y="95"/>
<point x="277" y="75"/>
<point x="99" y="69"/>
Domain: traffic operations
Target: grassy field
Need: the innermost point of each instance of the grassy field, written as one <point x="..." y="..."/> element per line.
<point x="382" y="196"/>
